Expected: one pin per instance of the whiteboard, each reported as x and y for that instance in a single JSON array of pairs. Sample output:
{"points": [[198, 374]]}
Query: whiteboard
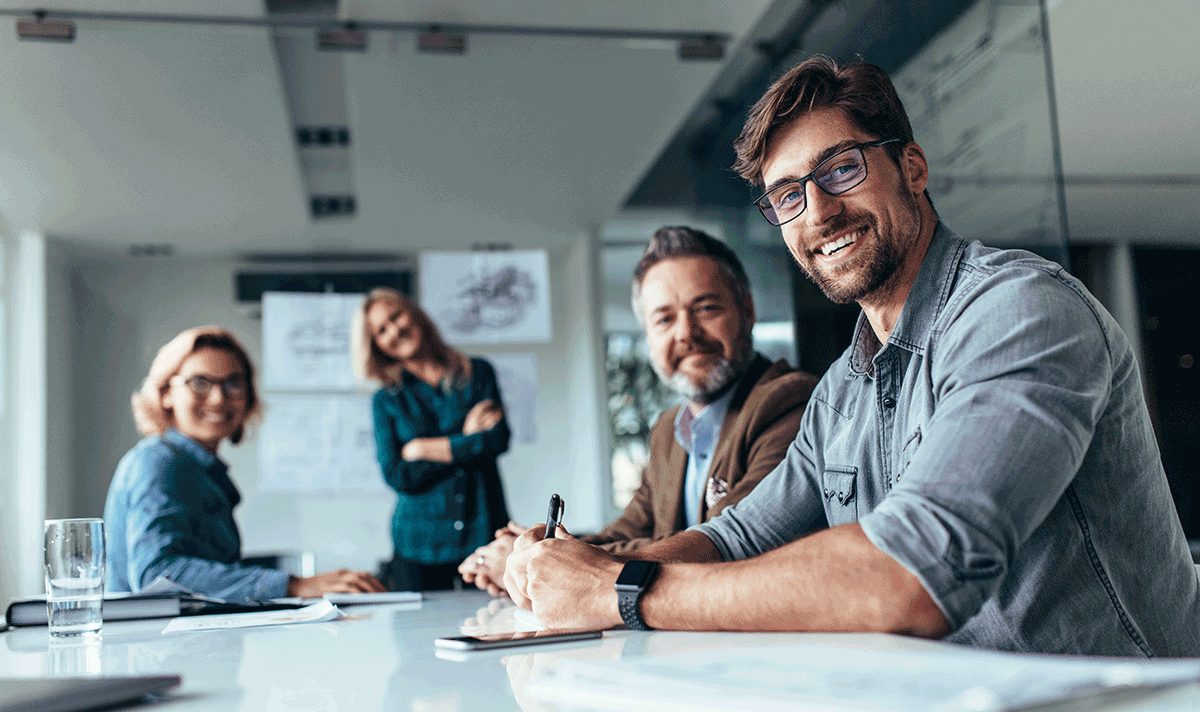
{"points": [[318, 443], [306, 341], [518, 380], [487, 297]]}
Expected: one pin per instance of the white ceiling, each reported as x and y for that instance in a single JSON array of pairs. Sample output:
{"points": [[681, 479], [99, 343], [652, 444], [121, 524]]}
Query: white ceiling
{"points": [[182, 133]]}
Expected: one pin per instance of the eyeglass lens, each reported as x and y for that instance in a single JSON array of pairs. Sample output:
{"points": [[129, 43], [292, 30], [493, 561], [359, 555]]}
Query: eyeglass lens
{"points": [[837, 174], [233, 387]]}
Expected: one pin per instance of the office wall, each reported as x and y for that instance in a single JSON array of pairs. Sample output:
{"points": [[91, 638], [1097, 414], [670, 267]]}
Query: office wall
{"points": [[110, 313]]}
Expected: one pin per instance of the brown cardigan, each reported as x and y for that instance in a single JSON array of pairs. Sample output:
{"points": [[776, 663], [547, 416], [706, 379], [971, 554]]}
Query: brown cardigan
{"points": [[760, 425]]}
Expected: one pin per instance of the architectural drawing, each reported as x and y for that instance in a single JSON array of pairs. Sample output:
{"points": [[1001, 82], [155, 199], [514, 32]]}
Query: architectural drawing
{"points": [[487, 297]]}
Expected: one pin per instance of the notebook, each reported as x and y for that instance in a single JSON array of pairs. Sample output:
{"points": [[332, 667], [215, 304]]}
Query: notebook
{"points": [[76, 694]]}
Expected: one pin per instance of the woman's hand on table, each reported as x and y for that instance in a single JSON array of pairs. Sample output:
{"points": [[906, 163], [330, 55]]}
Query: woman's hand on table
{"points": [[340, 581]]}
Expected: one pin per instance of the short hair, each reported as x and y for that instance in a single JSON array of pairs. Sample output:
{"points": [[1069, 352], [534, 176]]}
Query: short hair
{"points": [[148, 411], [862, 91], [372, 364], [675, 242]]}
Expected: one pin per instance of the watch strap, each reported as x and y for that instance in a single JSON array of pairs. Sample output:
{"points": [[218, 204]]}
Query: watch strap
{"points": [[629, 600]]}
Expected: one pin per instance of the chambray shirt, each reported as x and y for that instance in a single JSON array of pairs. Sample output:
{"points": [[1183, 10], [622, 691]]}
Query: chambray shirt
{"points": [[170, 513], [445, 510], [997, 446], [698, 435]]}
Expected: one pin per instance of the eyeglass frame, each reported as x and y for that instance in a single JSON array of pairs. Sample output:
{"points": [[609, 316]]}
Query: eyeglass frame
{"points": [[803, 180], [225, 384]]}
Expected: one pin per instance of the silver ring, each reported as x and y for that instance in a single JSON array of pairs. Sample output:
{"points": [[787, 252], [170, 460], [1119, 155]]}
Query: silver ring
{"points": [[479, 560]]}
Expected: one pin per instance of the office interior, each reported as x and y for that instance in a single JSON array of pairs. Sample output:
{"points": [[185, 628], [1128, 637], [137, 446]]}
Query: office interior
{"points": [[148, 162]]}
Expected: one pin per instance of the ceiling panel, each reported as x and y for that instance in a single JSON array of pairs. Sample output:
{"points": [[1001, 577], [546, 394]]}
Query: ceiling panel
{"points": [[172, 134], [224, 8], [689, 15]]}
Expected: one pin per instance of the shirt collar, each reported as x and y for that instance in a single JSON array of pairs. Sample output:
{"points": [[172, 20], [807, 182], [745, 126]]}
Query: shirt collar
{"points": [[925, 301], [712, 414], [212, 465]]}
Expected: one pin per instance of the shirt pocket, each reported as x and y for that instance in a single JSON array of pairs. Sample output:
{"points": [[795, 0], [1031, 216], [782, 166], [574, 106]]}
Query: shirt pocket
{"points": [[841, 497]]}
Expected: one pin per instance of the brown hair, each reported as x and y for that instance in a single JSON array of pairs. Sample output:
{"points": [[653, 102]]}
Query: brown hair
{"points": [[863, 92], [372, 364], [672, 242], [148, 411]]}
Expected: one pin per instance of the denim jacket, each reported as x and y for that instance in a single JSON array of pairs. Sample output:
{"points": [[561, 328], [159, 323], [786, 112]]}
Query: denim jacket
{"points": [[998, 446], [170, 513]]}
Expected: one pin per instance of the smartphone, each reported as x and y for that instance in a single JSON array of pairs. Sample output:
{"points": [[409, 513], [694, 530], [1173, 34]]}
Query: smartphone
{"points": [[509, 640]]}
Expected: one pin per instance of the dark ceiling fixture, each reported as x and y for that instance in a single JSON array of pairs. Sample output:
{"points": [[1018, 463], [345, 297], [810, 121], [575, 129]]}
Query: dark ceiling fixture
{"points": [[40, 29]]}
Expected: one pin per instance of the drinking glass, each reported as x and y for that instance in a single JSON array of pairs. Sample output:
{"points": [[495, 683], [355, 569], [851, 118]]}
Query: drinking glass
{"points": [[74, 576]]}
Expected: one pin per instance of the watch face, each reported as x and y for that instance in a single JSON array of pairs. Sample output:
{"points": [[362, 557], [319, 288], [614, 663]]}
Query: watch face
{"points": [[637, 573]]}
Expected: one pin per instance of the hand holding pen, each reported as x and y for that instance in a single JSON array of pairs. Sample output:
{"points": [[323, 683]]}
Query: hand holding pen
{"points": [[554, 516]]}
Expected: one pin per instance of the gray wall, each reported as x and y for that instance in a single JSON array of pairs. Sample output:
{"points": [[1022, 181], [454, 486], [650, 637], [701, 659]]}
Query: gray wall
{"points": [[110, 313]]}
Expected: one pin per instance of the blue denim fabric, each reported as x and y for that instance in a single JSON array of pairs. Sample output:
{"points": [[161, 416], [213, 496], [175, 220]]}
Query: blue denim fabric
{"points": [[170, 513], [445, 510], [998, 447]]}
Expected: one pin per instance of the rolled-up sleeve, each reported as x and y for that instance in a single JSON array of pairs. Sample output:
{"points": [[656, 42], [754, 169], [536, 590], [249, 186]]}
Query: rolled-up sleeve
{"points": [[1020, 379], [785, 506]]}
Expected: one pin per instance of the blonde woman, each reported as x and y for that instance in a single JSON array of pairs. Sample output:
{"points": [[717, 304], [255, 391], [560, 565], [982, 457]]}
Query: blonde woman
{"points": [[439, 427], [170, 504]]}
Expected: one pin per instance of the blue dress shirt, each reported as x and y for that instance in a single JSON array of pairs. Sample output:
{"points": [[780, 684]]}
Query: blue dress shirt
{"points": [[170, 513], [699, 434]]}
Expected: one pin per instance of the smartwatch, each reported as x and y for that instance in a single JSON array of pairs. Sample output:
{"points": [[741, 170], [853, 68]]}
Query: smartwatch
{"points": [[635, 578]]}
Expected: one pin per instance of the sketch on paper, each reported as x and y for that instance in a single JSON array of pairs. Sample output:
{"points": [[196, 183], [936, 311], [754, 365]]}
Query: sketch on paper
{"points": [[487, 297], [306, 341], [312, 443], [518, 381]]}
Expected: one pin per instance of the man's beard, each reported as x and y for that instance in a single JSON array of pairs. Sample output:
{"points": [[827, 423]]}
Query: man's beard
{"points": [[723, 373], [878, 260]]}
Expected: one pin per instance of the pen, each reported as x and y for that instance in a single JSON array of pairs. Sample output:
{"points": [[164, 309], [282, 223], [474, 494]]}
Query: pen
{"points": [[554, 516]]}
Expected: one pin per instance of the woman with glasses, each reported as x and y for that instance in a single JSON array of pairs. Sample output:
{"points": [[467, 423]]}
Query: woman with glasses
{"points": [[439, 427], [170, 504]]}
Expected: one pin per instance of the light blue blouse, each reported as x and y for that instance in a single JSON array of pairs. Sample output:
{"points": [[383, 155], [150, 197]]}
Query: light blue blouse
{"points": [[170, 513]]}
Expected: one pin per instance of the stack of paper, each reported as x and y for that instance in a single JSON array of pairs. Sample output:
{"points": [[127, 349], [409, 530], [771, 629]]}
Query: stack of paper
{"points": [[786, 677]]}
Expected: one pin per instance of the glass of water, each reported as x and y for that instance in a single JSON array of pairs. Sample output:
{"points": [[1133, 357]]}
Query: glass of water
{"points": [[74, 576]]}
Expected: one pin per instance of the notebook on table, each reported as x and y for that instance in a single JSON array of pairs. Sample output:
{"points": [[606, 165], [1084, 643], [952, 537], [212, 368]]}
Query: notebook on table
{"points": [[77, 694]]}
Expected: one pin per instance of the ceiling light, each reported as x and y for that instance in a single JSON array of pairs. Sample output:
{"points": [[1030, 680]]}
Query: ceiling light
{"points": [[435, 41], [43, 30], [705, 49], [349, 39]]}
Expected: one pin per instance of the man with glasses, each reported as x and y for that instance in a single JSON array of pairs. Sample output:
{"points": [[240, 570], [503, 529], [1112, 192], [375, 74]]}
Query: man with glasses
{"points": [[979, 465]]}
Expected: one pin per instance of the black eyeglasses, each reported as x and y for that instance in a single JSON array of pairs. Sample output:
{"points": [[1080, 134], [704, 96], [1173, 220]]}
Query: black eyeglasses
{"points": [[233, 387], [834, 175]]}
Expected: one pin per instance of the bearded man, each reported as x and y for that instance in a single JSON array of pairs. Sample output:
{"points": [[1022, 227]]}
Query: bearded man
{"points": [[691, 294]]}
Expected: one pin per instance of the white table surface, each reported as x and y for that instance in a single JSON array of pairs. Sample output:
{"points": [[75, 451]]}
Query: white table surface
{"points": [[383, 658]]}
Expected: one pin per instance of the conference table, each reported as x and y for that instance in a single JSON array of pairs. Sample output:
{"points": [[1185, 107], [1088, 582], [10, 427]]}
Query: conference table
{"points": [[383, 657]]}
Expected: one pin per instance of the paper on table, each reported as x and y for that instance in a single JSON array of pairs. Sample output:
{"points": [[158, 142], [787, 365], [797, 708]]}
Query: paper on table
{"points": [[783, 677], [364, 598], [323, 611]]}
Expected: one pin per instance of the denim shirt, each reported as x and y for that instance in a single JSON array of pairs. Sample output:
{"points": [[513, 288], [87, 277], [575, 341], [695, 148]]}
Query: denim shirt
{"points": [[998, 446], [170, 513], [444, 510]]}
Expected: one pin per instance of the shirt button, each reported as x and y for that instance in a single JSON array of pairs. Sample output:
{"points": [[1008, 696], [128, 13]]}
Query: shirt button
{"points": [[889, 402], [458, 526], [459, 498]]}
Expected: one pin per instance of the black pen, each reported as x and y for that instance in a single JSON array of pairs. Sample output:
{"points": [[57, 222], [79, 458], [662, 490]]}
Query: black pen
{"points": [[554, 516]]}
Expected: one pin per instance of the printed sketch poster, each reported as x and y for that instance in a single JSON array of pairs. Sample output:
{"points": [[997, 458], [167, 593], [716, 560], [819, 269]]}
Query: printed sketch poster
{"points": [[306, 341], [488, 297], [518, 382], [312, 443]]}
